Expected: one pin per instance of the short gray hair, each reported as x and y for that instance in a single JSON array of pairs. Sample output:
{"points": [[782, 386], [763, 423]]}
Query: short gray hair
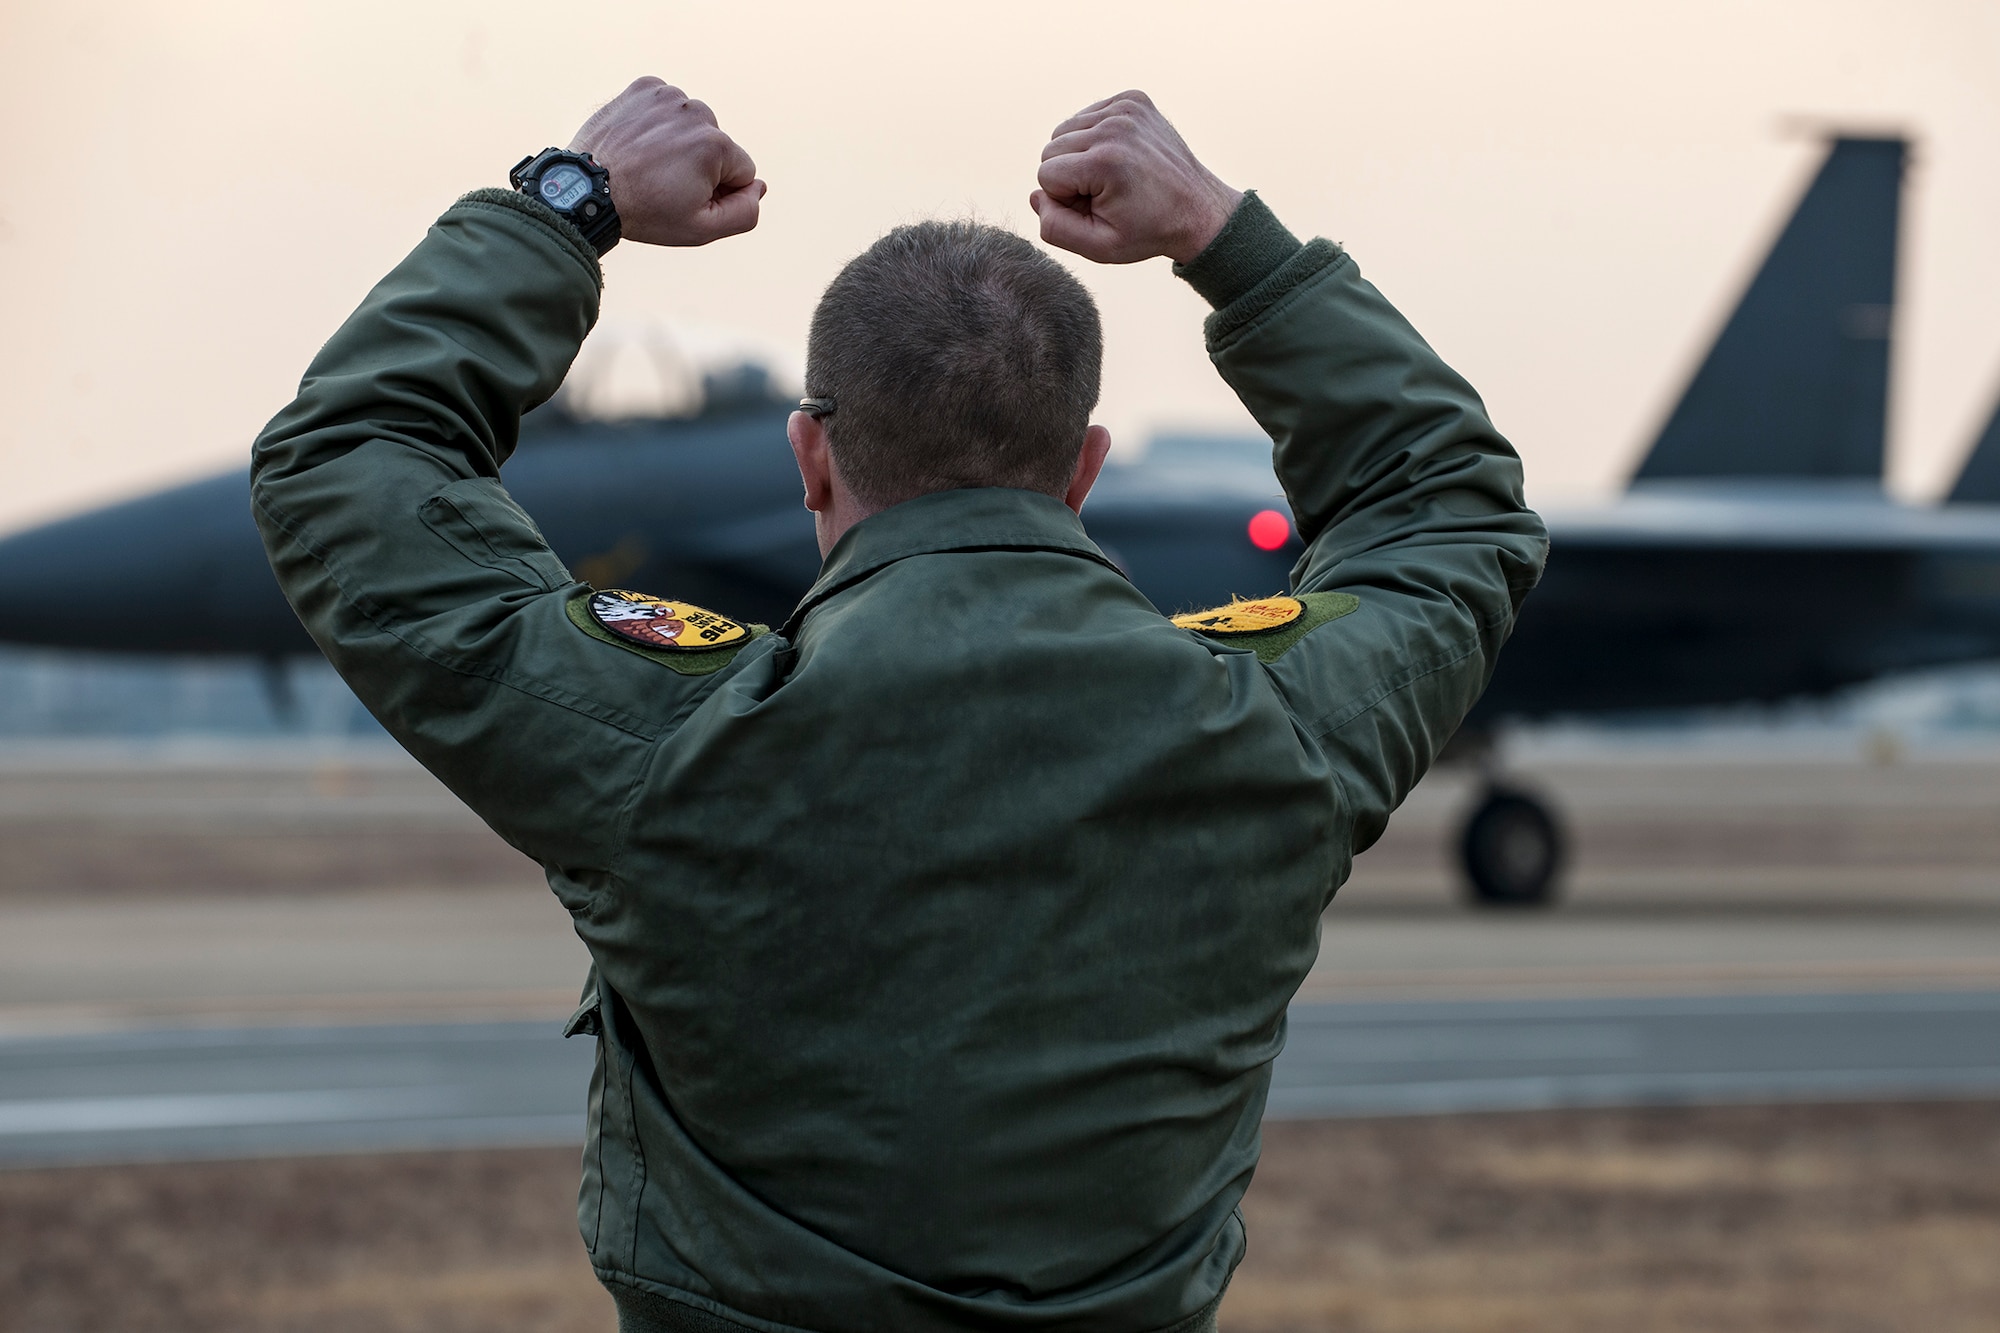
{"points": [[957, 355]]}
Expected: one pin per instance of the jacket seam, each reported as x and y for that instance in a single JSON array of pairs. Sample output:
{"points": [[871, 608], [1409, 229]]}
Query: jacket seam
{"points": [[511, 565], [615, 718], [594, 1140], [636, 1141], [630, 811], [657, 745], [613, 1016], [621, 836], [818, 597], [1344, 821], [680, 1296], [1333, 722], [1325, 732]]}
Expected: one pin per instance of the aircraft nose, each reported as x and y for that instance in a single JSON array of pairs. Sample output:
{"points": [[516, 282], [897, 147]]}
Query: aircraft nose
{"points": [[180, 571]]}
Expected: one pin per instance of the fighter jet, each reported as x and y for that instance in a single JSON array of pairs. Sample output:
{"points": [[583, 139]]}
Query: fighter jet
{"points": [[708, 506], [1754, 556]]}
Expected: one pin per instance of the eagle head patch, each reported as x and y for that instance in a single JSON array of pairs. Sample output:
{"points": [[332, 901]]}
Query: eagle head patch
{"points": [[655, 622]]}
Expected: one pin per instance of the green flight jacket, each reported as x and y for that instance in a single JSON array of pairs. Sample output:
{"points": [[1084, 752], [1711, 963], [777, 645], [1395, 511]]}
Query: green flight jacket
{"points": [[942, 938]]}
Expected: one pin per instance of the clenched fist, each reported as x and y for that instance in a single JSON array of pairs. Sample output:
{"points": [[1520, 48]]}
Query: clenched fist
{"points": [[1119, 186], [676, 178]]}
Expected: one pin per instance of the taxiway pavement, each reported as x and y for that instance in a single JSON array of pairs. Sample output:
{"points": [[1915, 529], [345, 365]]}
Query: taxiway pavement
{"points": [[275, 953], [233, 1092]]}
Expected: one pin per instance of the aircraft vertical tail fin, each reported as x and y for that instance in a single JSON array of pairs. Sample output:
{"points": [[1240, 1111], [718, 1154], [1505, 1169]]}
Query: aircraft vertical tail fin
{"points": [[1797, 383], [1979, 480]]}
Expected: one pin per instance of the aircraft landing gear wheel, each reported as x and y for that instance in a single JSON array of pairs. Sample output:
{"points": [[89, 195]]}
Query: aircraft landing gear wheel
{"points": [[1511, 851]]}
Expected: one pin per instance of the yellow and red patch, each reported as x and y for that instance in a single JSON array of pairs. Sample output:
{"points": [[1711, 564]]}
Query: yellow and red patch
{"points": [[655, 622], [1244, 617]]}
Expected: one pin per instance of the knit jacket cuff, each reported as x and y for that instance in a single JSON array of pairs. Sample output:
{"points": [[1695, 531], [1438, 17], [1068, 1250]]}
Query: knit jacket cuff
{"points": [[1249, 248], [565, 230]]}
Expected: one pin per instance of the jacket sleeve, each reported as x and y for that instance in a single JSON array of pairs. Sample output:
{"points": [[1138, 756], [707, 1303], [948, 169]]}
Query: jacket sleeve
{"points": [[1405, 495], [378, 495]]}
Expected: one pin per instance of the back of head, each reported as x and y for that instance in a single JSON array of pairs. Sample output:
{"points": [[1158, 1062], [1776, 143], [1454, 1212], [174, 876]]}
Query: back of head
{"points": [[959, 355]]}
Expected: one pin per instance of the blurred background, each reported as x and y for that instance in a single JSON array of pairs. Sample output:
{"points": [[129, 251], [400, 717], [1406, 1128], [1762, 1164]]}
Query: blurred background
{"points": [[278, 1016]]}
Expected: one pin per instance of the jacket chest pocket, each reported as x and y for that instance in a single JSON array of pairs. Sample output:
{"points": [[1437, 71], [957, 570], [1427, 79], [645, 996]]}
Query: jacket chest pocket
{"points": [[480, 521]]}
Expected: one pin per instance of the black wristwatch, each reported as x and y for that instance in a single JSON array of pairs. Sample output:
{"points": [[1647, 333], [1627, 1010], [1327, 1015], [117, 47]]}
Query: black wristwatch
{"points": [[574, 186]]}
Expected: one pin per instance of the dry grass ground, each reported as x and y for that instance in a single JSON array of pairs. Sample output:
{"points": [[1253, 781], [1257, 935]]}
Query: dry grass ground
{"points": [[412, 1243], [259, 824], [1775, 830], [1844, 1219]]}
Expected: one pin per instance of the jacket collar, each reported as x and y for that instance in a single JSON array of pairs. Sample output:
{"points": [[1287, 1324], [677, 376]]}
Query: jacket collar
{"points": [[983, 518]]}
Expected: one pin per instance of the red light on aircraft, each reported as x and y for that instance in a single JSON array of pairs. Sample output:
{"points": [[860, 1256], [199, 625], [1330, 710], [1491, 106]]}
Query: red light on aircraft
{"points": [[1269, 530]]}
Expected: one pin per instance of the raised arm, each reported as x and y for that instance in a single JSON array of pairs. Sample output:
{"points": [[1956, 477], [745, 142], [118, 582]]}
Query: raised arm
{"points": [[1408, 500], [378, 493]]}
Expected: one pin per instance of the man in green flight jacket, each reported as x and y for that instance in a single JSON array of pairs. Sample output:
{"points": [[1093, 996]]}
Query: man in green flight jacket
{"points": [[942, 937]]}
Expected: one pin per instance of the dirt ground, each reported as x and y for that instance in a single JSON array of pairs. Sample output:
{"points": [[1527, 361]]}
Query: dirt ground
{"points": [[1845, 1219], [1807, 829], [256, 825]]}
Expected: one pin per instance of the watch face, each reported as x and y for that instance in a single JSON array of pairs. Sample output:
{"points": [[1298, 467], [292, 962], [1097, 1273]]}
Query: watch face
{"points": [[564, 186]]}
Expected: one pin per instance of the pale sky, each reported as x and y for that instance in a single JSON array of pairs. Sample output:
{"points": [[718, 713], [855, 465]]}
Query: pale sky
{"points": [[1565, 196]]}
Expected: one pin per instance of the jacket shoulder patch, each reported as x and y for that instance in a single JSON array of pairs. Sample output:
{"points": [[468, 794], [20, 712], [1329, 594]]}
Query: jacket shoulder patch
{"points": [[1244, 617], [678, 635], [1269, 626]]}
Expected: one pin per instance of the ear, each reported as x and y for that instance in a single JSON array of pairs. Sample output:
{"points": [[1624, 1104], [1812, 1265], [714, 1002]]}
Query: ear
{"points": [[1090, 462], [814, 453]]}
